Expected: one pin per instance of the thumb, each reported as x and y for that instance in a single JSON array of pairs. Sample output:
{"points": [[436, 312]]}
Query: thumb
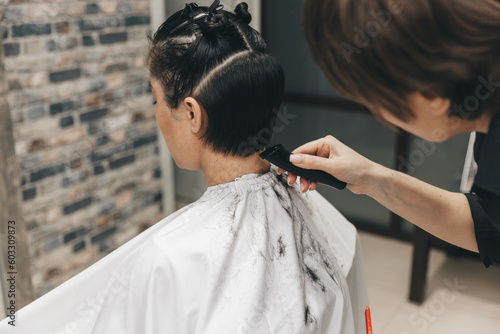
{"points": [[311, 162]]}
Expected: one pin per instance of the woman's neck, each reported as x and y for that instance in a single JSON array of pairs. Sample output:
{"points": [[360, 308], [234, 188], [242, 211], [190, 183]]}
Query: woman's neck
{"points": [[221, 168], [482, 124]]}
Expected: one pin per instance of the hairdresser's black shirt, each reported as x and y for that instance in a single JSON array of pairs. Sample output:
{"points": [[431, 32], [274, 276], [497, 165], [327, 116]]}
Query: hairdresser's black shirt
{"points": [[484, 199]]}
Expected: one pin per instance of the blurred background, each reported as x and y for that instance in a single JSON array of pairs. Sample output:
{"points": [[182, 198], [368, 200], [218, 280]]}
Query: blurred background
{"points": [[84, 168]]}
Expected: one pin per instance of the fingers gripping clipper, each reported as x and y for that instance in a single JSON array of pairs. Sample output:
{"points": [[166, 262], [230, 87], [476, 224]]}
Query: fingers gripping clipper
{"points": [[279, 156]]}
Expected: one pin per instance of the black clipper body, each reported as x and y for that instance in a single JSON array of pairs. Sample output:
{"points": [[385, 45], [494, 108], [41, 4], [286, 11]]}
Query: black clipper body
{"points": [[279, 156]]}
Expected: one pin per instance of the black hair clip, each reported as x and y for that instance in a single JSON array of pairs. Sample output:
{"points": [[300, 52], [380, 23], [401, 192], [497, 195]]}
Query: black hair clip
{"points": [[214, 7]]}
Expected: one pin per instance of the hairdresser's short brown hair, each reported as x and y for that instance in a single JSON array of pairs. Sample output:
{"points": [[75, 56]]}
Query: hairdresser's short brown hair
{"points": [[377, 52]]}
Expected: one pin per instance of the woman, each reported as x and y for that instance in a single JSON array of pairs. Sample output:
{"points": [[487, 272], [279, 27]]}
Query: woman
{"points": [[432, 68], [249, 256]]}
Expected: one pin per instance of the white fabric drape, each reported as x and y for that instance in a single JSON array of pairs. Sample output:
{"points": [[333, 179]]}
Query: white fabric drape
{"points": [[250, 256]]}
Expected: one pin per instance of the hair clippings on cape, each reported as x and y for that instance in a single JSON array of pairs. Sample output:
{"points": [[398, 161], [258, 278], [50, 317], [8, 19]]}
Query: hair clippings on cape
{"points": [[215, 6]]}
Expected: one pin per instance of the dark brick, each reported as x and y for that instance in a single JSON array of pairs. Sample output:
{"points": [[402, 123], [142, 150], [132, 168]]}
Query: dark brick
{"points": [[69, 180], [60, 107], [96, 85], [137, 20], [31, 29], [103, 235], [92, 115], [75, 234], [61, 43], [96, 127], [114, 37], [88, 41], [29, 194], [124, 187], [91, 24], [15, 84], [79, 246], [83, 203], [116, 95], [92, 8], [101, 155], [31, 225], [62, 27], [138, 116], [109, 151], [67, 121], [99, 170], [122, 161], [11, 49], [65, 75], [157, 173], [116, 68], [102, 140], [46, 172], [145, 140]]}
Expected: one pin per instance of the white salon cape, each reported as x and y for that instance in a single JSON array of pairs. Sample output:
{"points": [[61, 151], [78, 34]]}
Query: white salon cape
{"points": [[250, 256]]}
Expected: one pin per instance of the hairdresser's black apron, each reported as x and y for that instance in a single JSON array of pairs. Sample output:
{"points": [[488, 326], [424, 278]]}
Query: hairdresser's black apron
{"points": [[484, 199]]}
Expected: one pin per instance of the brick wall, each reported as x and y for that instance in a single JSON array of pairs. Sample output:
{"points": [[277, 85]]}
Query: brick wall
{"points": [[84, 128]]}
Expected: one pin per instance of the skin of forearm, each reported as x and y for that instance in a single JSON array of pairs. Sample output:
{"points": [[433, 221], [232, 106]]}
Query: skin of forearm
{"points": [[442, 213]]}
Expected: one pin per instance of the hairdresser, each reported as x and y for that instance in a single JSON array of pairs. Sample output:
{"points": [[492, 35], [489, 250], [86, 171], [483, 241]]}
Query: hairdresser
{"points": [[432, 68]]}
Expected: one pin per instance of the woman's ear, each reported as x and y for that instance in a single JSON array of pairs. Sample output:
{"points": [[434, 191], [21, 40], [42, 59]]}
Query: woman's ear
{"points": [[195, 114], [436, 105]]}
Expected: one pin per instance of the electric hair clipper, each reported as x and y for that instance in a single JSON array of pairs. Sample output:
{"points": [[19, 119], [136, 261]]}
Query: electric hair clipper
{"points": [[279, 156]]}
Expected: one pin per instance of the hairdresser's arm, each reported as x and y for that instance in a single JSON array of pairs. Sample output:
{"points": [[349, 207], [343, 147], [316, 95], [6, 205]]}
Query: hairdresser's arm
{"points": [[442, 213]]}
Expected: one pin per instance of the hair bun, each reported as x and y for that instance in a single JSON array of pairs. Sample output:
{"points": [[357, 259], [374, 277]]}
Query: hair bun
{"points": [[242, 13]]}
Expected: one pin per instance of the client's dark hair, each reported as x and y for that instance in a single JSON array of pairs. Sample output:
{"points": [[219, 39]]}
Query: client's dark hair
{"points": [[378, 51], [215, 57]]}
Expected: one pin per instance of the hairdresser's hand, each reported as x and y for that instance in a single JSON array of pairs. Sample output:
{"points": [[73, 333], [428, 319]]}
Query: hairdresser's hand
{"points": [[330, 155], [445, 214]]}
